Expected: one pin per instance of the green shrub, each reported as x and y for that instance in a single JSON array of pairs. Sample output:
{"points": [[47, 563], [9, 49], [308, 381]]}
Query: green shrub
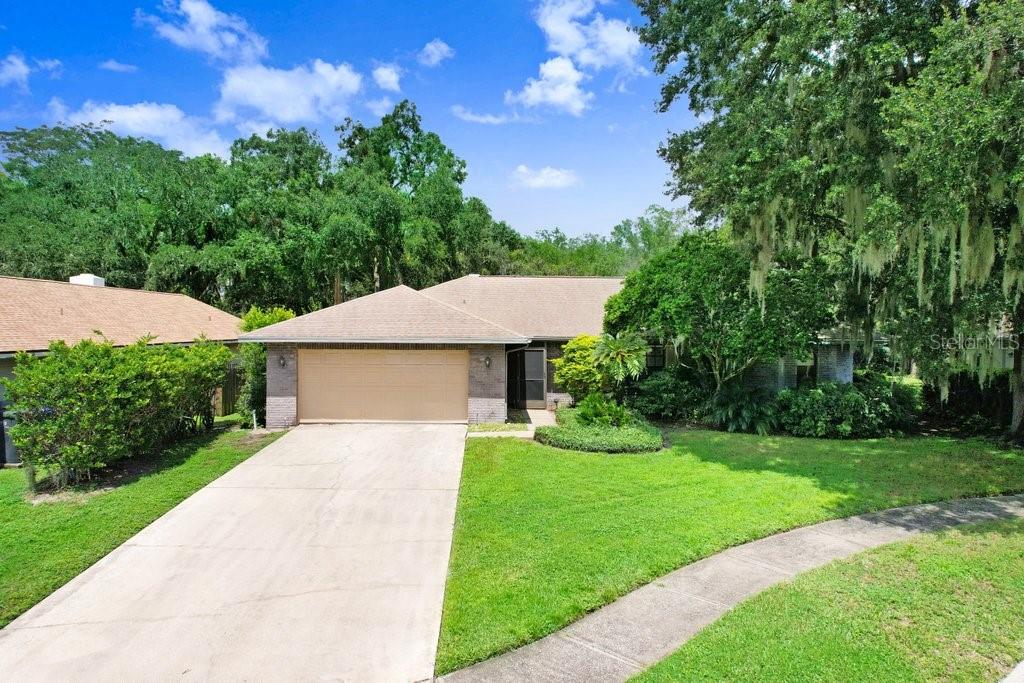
{"points": [[595, 409], [253, 394], [874, 405], [576, 370], [829, 410], [899, 400], [571, 434], [82, 407], [665, 395], [737, 408]]}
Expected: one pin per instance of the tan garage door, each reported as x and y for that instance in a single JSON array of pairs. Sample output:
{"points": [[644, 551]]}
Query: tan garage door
{"points": [[408, 385]]}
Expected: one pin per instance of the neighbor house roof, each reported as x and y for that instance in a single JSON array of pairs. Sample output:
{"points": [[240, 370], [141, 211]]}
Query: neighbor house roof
{"points": [[35, 312], [537, 307], [399, 315]]}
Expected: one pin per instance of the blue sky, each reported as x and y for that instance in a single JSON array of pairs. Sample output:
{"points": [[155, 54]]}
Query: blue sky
{"points": [[551, 102]]}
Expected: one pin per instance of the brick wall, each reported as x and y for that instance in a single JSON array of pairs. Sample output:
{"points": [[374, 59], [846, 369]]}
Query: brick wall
{"points": [[835, 363], [773, 376], [282, 385], [487, 399]]}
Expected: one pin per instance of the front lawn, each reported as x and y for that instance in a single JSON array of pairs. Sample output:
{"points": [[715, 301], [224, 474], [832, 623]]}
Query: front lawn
{"points": [[46, 544], [940, 607], [499, 427], [545, 535]]}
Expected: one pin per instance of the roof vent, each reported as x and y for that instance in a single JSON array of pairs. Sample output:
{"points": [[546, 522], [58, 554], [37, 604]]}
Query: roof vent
{"points": [[87, 279]]}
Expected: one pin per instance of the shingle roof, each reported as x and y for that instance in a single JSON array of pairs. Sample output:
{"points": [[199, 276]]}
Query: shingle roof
{"points": [[35, 312], [400, 315], [537, 307]]}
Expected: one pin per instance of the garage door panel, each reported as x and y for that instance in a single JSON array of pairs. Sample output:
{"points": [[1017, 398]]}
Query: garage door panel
{"points": [[378, 384]]}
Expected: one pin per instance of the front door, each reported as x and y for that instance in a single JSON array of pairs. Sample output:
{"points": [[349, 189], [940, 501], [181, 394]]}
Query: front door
{"points": [[535, 378]]}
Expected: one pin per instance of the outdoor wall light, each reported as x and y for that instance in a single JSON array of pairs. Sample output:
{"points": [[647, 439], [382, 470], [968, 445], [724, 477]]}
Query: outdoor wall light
{"points": [[282, 361], [487, 361]]}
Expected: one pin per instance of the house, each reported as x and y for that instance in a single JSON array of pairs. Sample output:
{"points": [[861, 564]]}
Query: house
{"points": [[466, 350], [830, 360], [34, 313]]}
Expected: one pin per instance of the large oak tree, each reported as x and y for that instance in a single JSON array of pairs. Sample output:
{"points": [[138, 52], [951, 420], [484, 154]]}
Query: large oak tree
{"points": [[887, 130]]}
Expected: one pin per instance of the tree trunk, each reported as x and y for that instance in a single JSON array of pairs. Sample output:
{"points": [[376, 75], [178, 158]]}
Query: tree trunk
{"points": [[1017, 387], [337, 288]]}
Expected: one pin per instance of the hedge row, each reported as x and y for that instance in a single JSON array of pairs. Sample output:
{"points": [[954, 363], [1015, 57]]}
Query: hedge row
{"points": [[573, 435], [82, 407]]}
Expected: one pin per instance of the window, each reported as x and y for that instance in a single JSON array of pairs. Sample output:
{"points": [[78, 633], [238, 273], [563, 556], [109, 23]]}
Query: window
{"points": [[656, 358]]}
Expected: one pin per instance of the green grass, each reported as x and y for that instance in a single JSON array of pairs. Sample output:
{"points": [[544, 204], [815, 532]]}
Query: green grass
{"points": [[499, 427], [941, 607], [545, 535], [46, 544]]}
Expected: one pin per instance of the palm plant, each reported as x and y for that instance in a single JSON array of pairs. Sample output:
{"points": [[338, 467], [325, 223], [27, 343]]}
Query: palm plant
{"points": [[622, 355]]}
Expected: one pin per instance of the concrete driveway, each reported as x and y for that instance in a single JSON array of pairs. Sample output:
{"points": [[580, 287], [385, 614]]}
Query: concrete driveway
{"points": [[324, 556]]}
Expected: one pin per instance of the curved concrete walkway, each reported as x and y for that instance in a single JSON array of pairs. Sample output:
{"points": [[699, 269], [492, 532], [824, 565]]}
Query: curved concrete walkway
{"points": [[643, 627]]}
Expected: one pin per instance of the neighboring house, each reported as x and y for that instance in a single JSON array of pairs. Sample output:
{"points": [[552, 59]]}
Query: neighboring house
{"points": [[466, 350], [830, 360], [34, 313]]}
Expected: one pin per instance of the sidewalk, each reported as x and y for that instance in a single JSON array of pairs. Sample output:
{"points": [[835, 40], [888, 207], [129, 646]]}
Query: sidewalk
{"points": [[643, 627]]}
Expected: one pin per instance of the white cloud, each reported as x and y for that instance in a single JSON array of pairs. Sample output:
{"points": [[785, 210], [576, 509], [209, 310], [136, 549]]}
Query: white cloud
{"points": [[435, 52], [307, 93], [597, 43], [387, 77], [56, 109], [254, 127], [14, 71], [197, 25], [118, 67], [54, 67], [164, 123], [558, 87], [380, 107], [543, 178], [460, 112]]}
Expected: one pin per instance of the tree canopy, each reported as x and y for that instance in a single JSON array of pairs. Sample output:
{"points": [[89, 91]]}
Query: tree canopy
{"points": [[282, 222], [888, 132], [696, 295]]}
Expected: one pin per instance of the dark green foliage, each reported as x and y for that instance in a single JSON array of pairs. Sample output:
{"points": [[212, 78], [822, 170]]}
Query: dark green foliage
{"points": [[899, 400], [283, 223], [970, 407], [737, 408], [829, 410], [82, 407], [572, 434], [253, 396], [667, 395], [887, 134], [595, 409], [875, 405], [698, 296]]}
